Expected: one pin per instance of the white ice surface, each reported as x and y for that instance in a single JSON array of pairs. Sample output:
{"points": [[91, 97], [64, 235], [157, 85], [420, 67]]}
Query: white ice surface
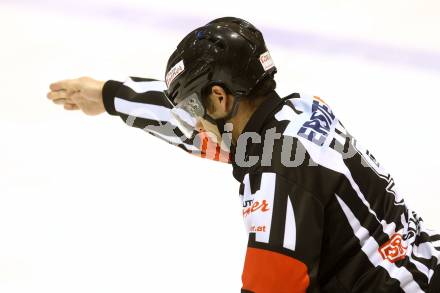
{"points": [[89, 205]]}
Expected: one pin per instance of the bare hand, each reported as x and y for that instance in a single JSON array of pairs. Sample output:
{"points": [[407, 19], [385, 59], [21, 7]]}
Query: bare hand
{"points": [[82, 93]]}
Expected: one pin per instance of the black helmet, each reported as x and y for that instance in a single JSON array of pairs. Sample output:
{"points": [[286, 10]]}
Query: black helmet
{"points": [[227, 51]]}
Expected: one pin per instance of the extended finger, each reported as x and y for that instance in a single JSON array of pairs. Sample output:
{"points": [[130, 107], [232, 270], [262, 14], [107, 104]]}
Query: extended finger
{"points": [[55, 95], [69, 106], [60, 101], [67, 84]]}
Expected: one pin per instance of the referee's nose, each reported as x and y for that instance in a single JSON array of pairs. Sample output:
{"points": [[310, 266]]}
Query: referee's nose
{"points": [[199, 125], [203, 125]]}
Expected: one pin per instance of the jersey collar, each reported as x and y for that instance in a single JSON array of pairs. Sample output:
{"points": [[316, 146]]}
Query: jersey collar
{"points": [[256, 125], [259, 117]]}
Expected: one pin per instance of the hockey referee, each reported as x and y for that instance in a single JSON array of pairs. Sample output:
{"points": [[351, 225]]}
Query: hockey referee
{"points": [[321, 212]]}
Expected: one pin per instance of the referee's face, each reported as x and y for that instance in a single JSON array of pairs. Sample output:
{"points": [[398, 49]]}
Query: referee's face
{"points": [[218, 105], [204, 125]]}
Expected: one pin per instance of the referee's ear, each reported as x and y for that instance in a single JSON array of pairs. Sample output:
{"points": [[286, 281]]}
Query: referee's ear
{"points": [[219, 102]]}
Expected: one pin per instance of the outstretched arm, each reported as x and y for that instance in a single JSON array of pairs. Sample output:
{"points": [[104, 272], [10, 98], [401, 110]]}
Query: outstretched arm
{"points": [[140, 102]]}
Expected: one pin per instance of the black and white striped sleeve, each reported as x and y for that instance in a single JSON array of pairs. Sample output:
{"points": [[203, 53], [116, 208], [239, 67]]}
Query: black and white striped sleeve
{"points": [[142, 103]]}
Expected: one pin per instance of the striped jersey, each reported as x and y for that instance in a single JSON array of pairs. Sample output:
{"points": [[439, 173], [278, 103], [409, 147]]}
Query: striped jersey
{"points": [[322, 213]]}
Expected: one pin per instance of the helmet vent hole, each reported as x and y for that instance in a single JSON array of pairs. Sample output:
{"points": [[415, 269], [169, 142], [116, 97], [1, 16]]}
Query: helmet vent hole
{"points": [[220, 44]]}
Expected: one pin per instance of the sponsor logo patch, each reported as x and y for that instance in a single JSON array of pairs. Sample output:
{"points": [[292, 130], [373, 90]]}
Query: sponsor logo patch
{"points": [[255, 229], [262, 206], [266, 61], [317, 128], [394, 249], [174, 72]]}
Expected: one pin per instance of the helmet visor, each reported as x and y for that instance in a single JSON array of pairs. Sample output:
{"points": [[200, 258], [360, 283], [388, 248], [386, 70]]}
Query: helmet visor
{"points": [[186, 113]]}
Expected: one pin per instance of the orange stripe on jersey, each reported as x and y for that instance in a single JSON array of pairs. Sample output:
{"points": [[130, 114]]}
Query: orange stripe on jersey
{"points": [[212, 150], [271, 272], [205, 144], [319, 99]]}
